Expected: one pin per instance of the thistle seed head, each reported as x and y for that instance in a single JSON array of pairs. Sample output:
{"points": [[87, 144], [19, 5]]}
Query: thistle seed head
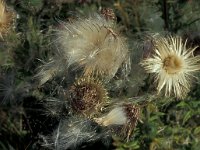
{"points": [[95, 45], [87, 96], [173, 64], [124, 116]]}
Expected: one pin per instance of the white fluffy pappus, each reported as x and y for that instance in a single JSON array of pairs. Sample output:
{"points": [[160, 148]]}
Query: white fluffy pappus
{"points": [[54, 107], [71, 133], [12, 91], [116, 116], [95, 45], [124, 116], [55, 66]]}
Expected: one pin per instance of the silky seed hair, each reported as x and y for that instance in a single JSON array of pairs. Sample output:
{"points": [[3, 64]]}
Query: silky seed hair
{"points": [[91, 45], [116, 116], [71, 133], [125, 117], [87, 96], [173, 65], [95, 45]]}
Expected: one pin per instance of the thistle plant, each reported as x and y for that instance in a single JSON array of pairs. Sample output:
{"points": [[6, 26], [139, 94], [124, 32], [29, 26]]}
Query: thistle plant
{"points": [[87, 81], [95, 50]]}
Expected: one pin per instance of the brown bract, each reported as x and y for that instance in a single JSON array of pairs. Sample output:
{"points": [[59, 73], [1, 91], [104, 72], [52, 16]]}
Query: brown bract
{"points": [[108, 13], [133, 114]]}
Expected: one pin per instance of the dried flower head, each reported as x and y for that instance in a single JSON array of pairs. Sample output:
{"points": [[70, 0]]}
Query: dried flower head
{"points": [[87, 96], [7, 17], [125, 115], [94, 44], [173, 64]]}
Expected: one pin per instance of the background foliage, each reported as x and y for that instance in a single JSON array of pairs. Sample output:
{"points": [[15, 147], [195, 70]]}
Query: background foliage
{"points": [[166, 123]]}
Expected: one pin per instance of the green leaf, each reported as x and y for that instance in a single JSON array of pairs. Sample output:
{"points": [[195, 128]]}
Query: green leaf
{"points": [[188, 115], [197, 130], [182, 104]]}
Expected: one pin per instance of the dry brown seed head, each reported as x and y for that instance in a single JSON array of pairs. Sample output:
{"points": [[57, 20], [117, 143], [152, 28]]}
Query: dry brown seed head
{"points": [[87, 96]]}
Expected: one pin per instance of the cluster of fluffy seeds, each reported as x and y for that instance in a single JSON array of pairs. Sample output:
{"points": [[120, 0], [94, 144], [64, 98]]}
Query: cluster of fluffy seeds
{"points": [[7, 17], [173, 64], [116, 116], [94, 44]]}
